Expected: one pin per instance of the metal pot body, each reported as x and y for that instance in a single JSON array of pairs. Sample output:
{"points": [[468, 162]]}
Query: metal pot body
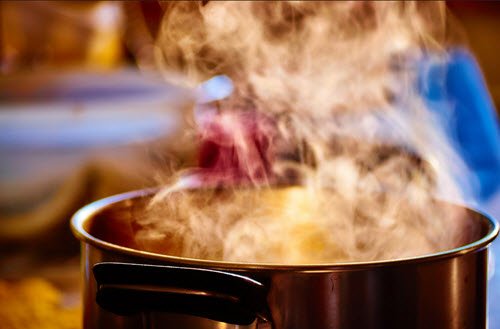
{"points": [[440, 291]]}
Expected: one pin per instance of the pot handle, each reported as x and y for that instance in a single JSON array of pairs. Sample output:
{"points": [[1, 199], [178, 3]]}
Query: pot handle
{"points": [[127, 288]]}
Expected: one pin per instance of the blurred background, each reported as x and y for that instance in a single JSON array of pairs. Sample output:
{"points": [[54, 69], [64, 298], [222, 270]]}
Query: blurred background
{"points": [[84, 113]]}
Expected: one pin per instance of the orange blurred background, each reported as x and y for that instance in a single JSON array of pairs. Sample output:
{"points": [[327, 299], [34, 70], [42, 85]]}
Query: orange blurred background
{"points": [[45, 36]]}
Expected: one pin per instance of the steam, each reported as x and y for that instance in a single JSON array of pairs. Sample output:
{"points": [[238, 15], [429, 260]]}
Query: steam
{"points": [[330, 92]]}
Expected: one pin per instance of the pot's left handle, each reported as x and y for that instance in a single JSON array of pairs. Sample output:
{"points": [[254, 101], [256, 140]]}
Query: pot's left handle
{"points": [[126, 288]]}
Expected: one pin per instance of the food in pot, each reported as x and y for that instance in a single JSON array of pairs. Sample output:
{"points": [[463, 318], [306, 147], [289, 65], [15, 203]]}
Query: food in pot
{"points": [[295, 225]]}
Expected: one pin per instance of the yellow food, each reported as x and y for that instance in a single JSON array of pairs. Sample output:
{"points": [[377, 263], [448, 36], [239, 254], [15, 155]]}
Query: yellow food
{"points": [[35, 303]]}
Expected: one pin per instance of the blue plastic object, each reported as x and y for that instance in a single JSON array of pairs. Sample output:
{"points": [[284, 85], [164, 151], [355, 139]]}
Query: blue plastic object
{"points": [[457, 92]]}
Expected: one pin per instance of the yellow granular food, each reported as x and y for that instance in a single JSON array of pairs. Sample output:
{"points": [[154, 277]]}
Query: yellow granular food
{"points": [[35, 303]]}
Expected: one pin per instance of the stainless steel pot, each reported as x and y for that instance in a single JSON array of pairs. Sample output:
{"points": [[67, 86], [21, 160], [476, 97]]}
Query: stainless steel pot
{"points": [[128, 288]]}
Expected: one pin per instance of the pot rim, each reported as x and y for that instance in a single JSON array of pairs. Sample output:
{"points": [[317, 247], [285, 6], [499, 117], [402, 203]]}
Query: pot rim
{"points": [[90, 210]]}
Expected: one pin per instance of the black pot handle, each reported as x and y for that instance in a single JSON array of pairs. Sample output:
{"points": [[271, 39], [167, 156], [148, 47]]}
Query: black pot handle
{"points": [[126, 288]]}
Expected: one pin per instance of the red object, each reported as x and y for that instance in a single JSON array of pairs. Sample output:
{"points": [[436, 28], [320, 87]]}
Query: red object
{"points": [[236, 148]]}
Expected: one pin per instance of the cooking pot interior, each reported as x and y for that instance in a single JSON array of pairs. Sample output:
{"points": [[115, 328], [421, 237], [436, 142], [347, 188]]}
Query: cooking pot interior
{"points": [[116, 223]]}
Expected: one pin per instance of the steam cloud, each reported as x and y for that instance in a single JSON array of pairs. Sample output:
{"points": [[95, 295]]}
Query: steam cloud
{"points": [[333, 89]]}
